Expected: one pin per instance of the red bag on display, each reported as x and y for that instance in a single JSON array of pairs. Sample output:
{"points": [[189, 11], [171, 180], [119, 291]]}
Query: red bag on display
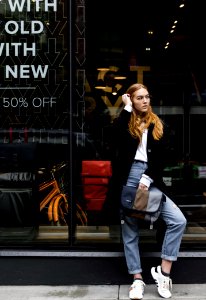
{"points": [[95, 179]]}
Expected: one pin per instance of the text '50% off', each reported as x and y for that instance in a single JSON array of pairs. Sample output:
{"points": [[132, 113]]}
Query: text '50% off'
{"points": [[24, 102]]}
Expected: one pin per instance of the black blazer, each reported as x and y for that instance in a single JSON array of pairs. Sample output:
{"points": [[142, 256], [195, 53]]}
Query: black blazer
{"points": [[123, 152]]}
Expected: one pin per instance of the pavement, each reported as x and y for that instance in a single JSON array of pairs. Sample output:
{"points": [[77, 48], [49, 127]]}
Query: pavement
{"points": [[96, 292]]}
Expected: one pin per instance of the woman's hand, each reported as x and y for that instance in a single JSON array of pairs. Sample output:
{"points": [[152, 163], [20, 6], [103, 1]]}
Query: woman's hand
{"points": [[142, 187], [126, 99]]}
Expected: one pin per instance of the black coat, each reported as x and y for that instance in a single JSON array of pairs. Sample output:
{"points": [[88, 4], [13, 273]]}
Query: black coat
{"points": [[123, 153]]}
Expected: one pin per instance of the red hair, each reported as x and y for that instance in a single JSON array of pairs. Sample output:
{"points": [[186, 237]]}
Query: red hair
{"points": [[148, 118]]}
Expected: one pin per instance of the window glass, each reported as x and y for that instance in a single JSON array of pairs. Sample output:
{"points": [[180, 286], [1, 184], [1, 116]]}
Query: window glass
{"points": [[34, 130], [64, 67], [129, 44]]}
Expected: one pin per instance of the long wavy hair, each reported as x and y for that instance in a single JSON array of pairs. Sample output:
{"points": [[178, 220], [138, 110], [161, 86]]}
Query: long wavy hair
{"points": [[148, 118]]}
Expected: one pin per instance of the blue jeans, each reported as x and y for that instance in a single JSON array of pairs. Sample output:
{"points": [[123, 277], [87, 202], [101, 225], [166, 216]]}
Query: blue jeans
{"points": [[171, 214]]}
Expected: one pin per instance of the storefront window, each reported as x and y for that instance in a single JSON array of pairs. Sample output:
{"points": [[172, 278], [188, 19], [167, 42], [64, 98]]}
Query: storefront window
{"points": [[64, 67], [165, 53], [34, 130]]}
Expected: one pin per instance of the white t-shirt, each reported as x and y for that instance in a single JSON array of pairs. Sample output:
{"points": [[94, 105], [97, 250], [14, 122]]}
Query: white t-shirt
{"points": [[141, 153]]}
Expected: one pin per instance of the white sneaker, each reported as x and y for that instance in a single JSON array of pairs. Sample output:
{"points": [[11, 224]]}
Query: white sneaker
{"points": [[164, 283], [136, 290]]}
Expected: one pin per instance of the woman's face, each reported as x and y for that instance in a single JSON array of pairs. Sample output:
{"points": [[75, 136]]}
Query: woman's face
{"points": [[141, 100]]}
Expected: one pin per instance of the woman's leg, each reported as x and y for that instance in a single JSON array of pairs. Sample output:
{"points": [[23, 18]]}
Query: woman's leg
{"points": [[130, 230], [166, 266], [175, 227], [130, 236]]}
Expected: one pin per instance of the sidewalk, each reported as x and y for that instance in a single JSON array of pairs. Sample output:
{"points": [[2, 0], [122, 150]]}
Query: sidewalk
{"points": [[96, 292]]}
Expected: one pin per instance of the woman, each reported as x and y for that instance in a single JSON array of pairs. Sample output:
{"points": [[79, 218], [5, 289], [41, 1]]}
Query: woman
{"points": [[139, 161]]}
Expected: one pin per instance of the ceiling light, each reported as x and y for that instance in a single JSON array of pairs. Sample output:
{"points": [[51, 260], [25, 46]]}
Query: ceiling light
{"points": [[119, 77], [103, 69]]}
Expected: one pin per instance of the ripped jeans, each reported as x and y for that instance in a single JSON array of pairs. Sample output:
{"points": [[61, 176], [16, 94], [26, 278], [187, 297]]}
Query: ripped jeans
{"points": [[171, 214]]}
